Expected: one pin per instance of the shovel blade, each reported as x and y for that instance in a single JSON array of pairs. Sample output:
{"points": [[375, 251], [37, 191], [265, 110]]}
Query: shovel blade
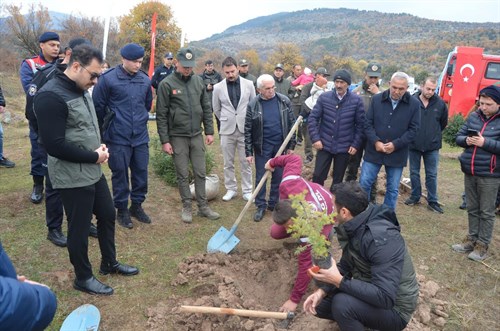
{"points": [[222, 241]]}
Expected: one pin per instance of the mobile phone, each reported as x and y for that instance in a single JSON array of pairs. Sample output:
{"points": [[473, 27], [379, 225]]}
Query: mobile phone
{"points": [[472, 133]]}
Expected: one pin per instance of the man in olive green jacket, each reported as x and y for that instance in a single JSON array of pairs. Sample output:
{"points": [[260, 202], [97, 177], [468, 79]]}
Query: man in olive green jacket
{"points": [[182, 106]]}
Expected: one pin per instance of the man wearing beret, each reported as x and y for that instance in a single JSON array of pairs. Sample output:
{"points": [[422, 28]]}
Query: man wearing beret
{"points": [[164, 70], [53, 205], [480, 136], [69, 130], [122, 99], [392, 122], [336, 128], [182, 107], [49, 52]]}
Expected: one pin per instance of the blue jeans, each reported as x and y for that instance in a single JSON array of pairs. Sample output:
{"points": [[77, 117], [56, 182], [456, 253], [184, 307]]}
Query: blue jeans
{"points": [[369, 172], [268, 151], [431, 162]]}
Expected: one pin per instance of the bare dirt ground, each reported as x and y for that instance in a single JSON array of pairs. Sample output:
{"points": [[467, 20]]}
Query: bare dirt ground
{"points": [[243, 280], [456, 294]]}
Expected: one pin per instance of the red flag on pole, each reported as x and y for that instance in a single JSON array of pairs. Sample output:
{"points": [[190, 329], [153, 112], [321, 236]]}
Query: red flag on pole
{"points": [[153, 42]]}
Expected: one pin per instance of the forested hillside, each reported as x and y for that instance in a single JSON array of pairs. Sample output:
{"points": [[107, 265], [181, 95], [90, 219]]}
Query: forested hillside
{"points": [[399, 40]]}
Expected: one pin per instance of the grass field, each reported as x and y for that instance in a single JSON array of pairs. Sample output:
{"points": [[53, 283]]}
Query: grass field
{"points": [[470, 287]]}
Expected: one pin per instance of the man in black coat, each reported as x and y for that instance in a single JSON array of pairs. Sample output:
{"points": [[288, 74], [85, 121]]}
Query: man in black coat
{"points": [[391, 124], [374, 284], [427, 143]]}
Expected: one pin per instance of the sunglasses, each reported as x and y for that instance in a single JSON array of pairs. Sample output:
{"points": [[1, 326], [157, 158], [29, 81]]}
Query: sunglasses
{"points": [[93, 75]]}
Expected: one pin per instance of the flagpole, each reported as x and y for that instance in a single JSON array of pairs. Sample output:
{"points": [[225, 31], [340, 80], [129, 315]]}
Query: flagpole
{"points": [[153, 44], [106, 31]]}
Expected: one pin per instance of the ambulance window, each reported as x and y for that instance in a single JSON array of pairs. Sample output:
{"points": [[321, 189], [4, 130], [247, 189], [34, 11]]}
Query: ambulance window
{"points": [[493, 70]]}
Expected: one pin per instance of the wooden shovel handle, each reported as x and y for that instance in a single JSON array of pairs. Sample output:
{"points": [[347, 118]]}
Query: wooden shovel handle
{"points": [[263, 180], [231, 311]]}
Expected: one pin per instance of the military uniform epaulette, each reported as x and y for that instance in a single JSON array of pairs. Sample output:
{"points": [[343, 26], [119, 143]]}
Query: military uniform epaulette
{"points": [[108, 71]]}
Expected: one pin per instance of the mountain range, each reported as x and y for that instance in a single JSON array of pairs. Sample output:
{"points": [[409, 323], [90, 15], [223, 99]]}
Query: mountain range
{"points": [[402, 40]]}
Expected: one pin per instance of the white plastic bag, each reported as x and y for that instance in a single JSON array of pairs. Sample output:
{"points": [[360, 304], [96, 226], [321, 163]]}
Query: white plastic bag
{"points": [[211, 187]]}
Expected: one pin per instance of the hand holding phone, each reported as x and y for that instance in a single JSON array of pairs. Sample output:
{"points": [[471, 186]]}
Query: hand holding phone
{"points": [[472, 133]]}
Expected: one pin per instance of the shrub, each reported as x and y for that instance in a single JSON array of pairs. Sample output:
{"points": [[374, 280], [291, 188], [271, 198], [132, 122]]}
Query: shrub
{"points": [[450, 133], [308, 224], [163, 164]]}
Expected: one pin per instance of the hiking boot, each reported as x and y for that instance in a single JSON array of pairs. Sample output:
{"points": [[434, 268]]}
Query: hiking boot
{"points": [[37, 194], [123, 217], [6, 163], [434, 206], [466, 246], [187, 214], [205, 211], [479, 252], [56, 237], [137, 212], [411, 201]]}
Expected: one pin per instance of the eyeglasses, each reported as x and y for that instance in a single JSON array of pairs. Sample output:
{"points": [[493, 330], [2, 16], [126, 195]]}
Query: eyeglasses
{"points": [[93, 75]]}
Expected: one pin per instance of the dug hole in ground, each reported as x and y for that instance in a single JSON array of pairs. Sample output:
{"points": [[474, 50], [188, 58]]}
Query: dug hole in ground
{"points": [[260, 279]]}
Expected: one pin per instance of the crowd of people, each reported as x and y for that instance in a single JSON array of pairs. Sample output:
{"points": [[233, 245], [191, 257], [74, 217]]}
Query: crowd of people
{"points": [[83, 114]]}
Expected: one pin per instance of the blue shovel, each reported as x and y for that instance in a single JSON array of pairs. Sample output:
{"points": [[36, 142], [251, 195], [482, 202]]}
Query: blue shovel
{"points": [[225, 241], [83, 318]]}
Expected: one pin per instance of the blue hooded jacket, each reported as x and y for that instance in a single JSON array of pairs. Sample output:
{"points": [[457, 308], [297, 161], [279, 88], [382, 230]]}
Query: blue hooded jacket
{"points": [[23, 306]]}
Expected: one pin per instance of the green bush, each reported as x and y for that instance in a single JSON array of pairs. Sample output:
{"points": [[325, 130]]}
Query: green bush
{"points": [[308, 224], [450, 133], [163, 164]]}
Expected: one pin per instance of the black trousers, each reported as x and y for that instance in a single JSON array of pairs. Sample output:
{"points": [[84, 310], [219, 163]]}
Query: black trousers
{"points": [[53, 206], [322, 166], [352, 314], [80, 203]]}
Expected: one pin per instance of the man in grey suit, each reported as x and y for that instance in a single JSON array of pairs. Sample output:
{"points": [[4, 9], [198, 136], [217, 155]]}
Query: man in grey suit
{"points": [[230, 99]]}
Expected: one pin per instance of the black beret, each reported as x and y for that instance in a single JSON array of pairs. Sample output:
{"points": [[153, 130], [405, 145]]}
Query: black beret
{"points": [[132, 52], [49, 35]]}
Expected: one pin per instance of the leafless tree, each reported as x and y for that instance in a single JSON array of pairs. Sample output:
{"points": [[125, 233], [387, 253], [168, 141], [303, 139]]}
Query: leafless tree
{"points": [[25, 29]]}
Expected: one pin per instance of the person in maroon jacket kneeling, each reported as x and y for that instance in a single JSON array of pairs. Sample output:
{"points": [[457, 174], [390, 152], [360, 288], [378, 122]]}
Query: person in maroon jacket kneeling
{"points": [[320, 198]]}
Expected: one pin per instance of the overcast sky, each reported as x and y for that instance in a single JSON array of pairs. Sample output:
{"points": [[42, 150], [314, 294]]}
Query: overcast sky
{"points": [[202, 19]]}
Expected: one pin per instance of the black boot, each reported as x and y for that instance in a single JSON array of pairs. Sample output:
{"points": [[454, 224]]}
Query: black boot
{"points": [[464, 202], [56, 237], [93, 231], [123, 217], [137, 212], [37, 193]]}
